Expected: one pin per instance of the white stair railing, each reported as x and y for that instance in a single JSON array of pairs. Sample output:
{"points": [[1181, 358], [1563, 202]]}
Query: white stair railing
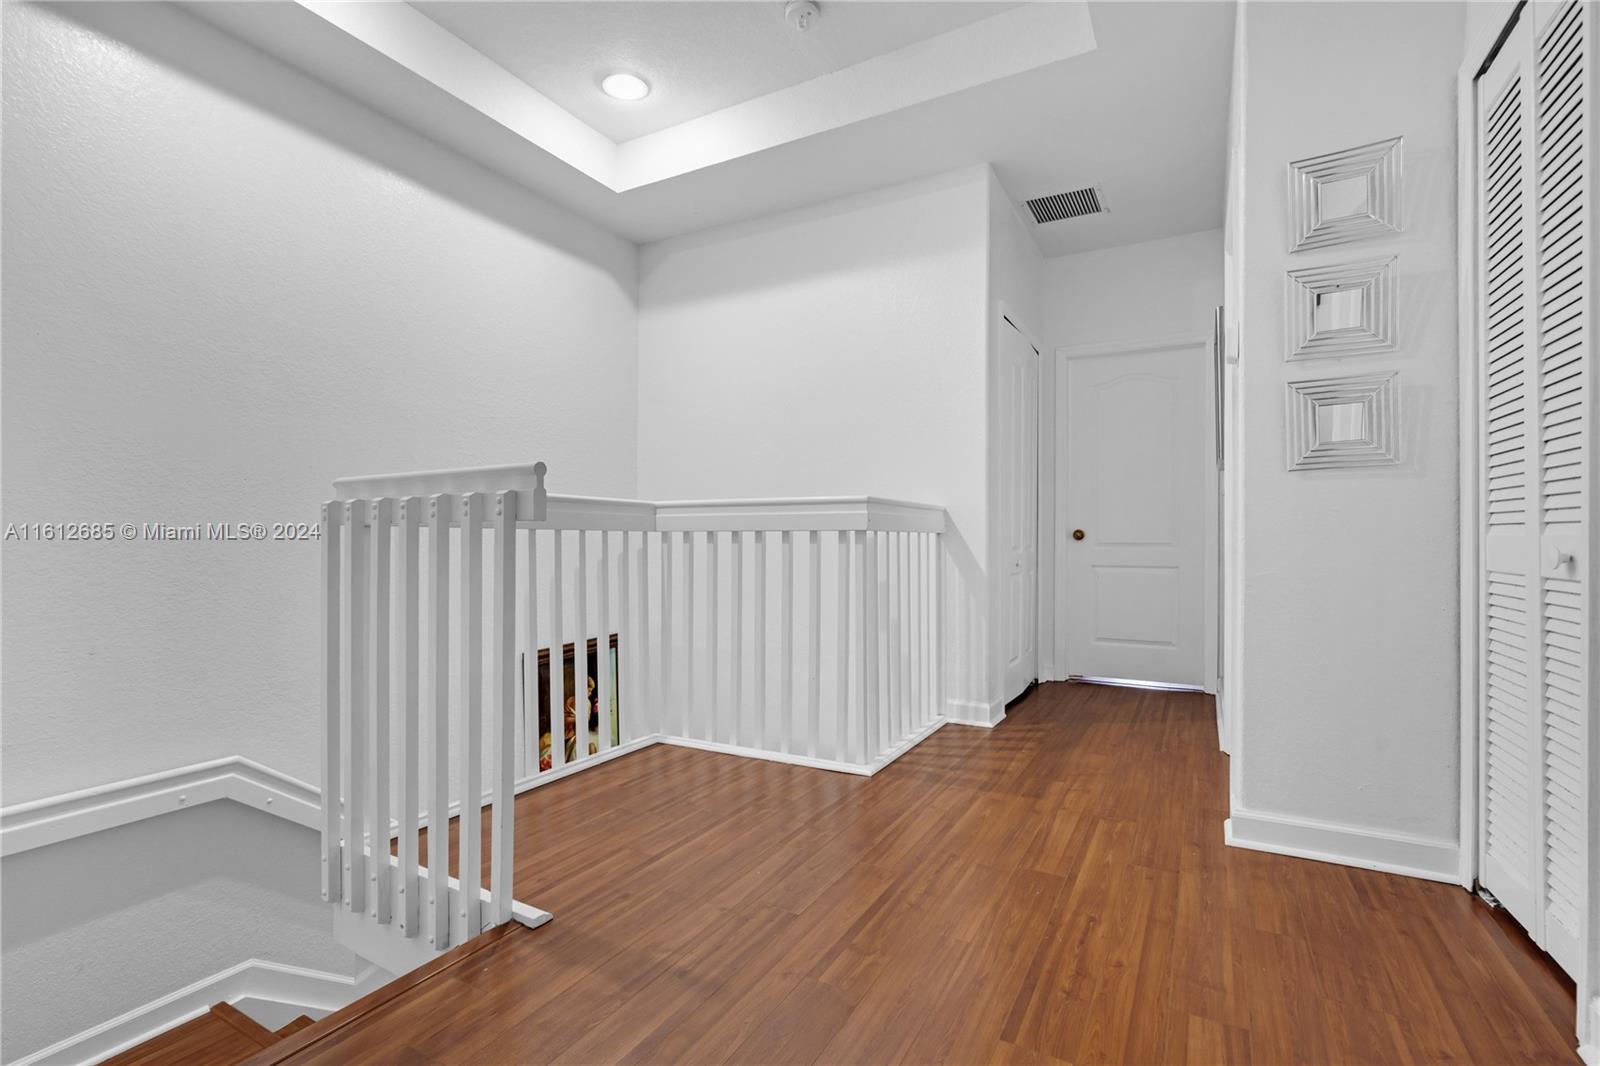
{"points": [[465, 611]]}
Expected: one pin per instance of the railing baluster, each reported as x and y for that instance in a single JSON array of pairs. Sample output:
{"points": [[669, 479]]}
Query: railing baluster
{"points": [[859, 728], [668, 651], [407, 671], [842, 732], [713, 641], [332, 781], [897, 625], [638, 693], [736, 635], [602, 642], [688, 635], [871, 704], [378, 880], [786, 661], [930, 562], [502, 835], [469, 868], [355, 706], [624, 643], [939, 608], [530, 659], [580, 654], [905, 635], [439, 719], [555, 661], [920, 589], [841, 722], [914, 570], [814, 652], [762, 733]]}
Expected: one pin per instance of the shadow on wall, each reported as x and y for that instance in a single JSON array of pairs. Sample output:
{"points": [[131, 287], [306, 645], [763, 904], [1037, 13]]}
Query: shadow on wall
{"points": [[105, 923], [180, 41]]}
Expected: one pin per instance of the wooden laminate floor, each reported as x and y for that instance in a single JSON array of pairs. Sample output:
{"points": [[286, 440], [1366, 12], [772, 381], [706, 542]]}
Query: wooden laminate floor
{"points": [[1053, 890]]}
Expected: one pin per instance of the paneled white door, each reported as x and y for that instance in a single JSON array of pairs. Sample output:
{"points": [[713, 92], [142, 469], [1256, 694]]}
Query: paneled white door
{"points": [[1019, 506], [1534, 424], [1138, 459]]}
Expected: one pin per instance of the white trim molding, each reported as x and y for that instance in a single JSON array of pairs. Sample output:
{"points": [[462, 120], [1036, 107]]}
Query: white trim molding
{"points": [[975, 713], [1346, 845], [313, 992], [51, 820]]}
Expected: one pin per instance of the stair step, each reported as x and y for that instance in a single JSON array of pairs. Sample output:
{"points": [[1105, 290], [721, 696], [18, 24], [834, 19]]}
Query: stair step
{"points": [[221, 1036], [294, 1026], [247, 1025]]}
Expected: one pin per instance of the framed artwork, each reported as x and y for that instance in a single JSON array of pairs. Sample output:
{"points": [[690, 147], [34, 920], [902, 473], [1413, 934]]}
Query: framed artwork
{"points": [[1343, 309], [1344, 422], [590, 699], [1344, 196]]}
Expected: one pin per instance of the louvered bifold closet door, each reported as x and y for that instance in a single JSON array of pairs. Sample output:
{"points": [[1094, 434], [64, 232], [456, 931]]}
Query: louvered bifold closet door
{"points": [[1509, 857], [1564, 128], [1536, 230]]}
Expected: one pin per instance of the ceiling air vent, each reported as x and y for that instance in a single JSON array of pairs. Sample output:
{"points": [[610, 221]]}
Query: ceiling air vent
{"points": [[1063, 205]]}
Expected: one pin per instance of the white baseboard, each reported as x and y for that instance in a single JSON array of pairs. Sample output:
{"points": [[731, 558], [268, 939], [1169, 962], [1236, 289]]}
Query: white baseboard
{"points": [[769, 756], [303, 991], [907, 744], [35, 824], [1347, 845], [974, 712], [1590, 1051]]}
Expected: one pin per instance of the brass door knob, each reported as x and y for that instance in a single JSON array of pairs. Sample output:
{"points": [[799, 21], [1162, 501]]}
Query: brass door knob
{"points": [[1077, 534]]}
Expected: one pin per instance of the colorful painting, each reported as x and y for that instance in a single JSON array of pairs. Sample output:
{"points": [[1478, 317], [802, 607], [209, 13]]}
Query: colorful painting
{"points": [[591, 699]]}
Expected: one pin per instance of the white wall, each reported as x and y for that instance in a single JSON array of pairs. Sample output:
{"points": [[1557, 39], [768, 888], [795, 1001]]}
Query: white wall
{"points": [[835, 350], [106, 923], [1015, 270], [1134, 292], [226, 285], [1349, 584]]}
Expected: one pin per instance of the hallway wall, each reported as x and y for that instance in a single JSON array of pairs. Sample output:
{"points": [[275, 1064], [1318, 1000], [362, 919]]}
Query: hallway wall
{"points": [[1133, 292], [1348, 740], [227, 284], [834, 350]]}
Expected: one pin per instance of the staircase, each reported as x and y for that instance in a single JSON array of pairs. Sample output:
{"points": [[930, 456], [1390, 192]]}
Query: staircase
{"points": [[221, 1036]]}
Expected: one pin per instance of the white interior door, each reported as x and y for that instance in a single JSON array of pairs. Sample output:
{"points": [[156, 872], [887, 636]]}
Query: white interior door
{"points": [[1019, 504], [1534, 428], [1138, 461]]}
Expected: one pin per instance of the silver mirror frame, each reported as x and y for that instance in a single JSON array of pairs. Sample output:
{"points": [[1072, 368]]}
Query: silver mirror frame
{"points": [[1377, 331], [1379, 395], [1379, 164]]}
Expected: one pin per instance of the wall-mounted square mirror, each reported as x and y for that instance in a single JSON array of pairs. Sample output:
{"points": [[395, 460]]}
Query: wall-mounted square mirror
{"points": [[1344, 196], [1338, 309], [1344, 422], [1344, 309], [1341, 423]]}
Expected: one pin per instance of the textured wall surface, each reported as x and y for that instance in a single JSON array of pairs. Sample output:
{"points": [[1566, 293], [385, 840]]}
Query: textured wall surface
{"points": [[837, 350], [1350, 606], [1133, 293], [97, 926], [225, 286]]}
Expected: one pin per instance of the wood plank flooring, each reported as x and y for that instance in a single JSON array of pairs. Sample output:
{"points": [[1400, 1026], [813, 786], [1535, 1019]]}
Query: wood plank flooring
{"points": [[1055, 890]]}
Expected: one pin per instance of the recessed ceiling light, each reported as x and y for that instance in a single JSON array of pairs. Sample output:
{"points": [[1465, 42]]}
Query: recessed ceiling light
{"points": [[625, 87]]}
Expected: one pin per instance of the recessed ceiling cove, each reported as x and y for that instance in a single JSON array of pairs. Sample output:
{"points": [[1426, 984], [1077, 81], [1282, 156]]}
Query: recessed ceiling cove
{"points": [[728, 79], [749, 115], [700, 56]]}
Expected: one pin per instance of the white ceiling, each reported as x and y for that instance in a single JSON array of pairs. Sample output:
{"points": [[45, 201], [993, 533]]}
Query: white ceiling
{"points": [[699, 56], [1132, 97]]}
